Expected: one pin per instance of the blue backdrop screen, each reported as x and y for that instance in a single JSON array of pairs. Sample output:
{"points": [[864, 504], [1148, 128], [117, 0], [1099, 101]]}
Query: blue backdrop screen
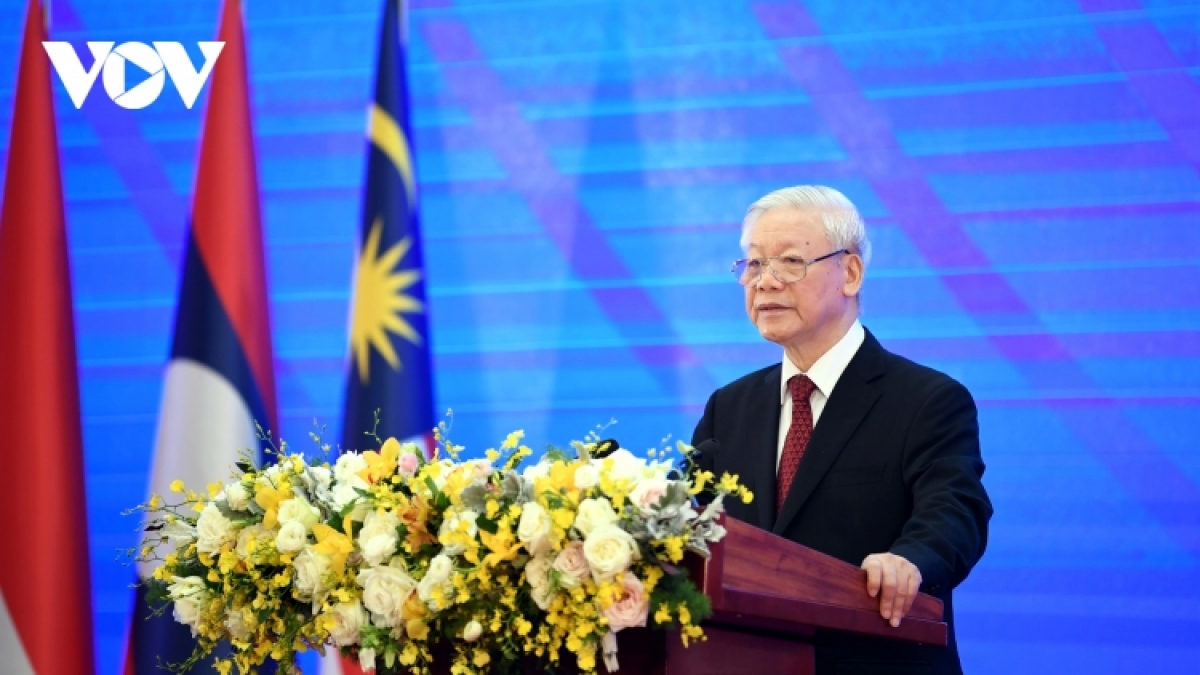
{"points": [[1029, 170]]}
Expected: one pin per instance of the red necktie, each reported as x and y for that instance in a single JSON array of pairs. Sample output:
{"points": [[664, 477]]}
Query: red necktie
{"points": [[797, 436]]}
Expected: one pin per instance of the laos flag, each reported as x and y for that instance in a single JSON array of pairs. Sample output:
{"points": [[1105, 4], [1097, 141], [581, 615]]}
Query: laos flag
{"points": [[220, 379]]}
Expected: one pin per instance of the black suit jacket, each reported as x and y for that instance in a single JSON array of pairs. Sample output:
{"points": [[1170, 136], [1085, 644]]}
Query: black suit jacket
{"points": [[893, 465]]}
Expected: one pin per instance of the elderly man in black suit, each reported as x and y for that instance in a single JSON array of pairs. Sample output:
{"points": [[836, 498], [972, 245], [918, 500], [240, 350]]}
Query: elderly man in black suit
{"points": [[849, 449]]}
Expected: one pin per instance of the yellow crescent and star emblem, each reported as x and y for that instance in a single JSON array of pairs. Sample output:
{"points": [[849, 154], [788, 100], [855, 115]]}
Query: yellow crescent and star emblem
{"points": [[380, 287], [381, 301]]}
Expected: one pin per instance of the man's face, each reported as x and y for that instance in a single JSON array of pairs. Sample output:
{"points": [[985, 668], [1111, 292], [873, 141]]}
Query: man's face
{"points": [[795, 313]]}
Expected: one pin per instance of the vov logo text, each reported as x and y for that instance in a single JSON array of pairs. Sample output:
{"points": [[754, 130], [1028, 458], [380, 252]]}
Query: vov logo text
{"points": [[164, 59]]}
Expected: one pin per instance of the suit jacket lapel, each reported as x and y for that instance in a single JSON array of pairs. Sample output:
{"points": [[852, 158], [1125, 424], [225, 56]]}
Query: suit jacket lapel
{"points": [[762, 446], [853, 397]]}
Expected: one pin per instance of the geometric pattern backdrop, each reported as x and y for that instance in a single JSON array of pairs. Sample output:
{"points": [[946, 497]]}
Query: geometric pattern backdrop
{"points": [[1029, 170]]}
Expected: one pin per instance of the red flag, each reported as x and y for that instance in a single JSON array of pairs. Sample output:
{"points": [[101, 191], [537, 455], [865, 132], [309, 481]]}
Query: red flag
{"points": [[44, 571]]}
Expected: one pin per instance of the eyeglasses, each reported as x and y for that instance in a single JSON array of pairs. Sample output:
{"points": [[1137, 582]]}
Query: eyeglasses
{"points": [[788, 269]]}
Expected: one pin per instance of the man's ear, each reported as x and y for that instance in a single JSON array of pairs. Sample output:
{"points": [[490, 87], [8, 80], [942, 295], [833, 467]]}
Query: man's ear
{"points": [[854, 275]]}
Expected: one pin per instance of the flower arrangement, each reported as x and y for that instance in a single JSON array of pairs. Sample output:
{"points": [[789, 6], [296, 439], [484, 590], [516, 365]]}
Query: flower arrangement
{"points": [[399, 560]]}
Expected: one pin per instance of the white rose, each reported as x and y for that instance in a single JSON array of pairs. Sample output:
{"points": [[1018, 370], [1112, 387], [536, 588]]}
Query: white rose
{"points": [[235, 623], [449, 533], [647, 494], [348, 620], [609, 550], [348, 466], [586, 477], [624, 465], [534, 528], [292, 537], [472, 631], [536, 471], [537, 574], [377, 539], [366, 660], [440, 569], [249, 534], [311, 568], [213, 530], [298, 510], [385, 590], [237, 496], [322, 476], [594, 513], [571, 565], [190, 596]]}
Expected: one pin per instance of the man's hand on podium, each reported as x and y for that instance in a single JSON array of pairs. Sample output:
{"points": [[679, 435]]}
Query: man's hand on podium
{"points": [[899, 580]]}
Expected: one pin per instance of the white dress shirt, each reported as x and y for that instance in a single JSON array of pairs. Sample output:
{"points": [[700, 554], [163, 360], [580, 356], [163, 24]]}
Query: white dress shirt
{"points": [[825, 373]]}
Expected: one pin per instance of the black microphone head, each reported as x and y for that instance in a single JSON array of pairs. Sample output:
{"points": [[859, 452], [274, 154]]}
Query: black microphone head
{"points": [[605, 448]]}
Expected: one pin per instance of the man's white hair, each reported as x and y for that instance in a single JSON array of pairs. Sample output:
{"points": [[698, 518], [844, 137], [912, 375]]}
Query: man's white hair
{"points": [[843, 226]]}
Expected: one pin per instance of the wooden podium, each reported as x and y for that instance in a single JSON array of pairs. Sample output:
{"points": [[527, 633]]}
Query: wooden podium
{"points": [[769, 598]]}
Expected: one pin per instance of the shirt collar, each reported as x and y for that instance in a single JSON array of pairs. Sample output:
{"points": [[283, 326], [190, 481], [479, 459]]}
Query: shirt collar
{"points": [[828, 369]]}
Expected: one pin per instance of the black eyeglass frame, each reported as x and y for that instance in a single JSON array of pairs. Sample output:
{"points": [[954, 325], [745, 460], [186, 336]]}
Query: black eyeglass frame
{"points": [[744, 262]]}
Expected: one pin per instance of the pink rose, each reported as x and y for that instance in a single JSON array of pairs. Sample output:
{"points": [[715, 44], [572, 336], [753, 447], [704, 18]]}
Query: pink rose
{"points": [[408, 464], [648, 493], [572, 564], [631, 609]]}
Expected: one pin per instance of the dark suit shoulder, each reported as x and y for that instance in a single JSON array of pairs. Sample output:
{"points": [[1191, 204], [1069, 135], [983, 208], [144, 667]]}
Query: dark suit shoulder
{"points": [[919, 379], [746, 384]]}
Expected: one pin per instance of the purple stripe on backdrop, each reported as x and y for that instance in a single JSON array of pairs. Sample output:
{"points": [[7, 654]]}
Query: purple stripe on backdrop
{"points": [[1154, 72], [553, 198], [865, 133]]}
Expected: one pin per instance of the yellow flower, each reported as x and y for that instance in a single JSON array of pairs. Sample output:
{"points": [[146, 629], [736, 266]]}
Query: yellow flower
{"points": [[416, 629], [513, 440], [729, 482], [177, 486], [481, 658], [155, 502], [747, 496], [333, 544], [663, 614]]}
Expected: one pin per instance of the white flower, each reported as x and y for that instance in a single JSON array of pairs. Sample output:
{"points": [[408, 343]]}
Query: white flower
{"points": [[348, 620], [251, 533], [347, 481], [348, 466], [624, 465], [537, 574], [322, 476], [385, 590], [472, 631], [437, 576], [291, 538], [190, 596], [534, 528], [609, 551], [586, 477], [647, 494], [298, 510], [594, 513], [366, 660], [311, 568], [453, 534], [237, 497], [377, 538], [180, 533], [536, 471], [571, 565], [235, 623], [213, 530]]}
